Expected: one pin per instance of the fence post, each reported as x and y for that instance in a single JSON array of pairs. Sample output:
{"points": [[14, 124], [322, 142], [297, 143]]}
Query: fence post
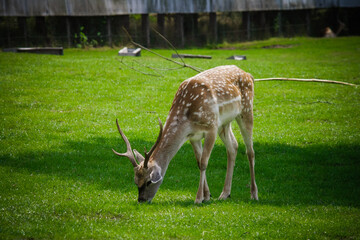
{"points": [[280, 23], [41, 30], [308, 22], [161, 23], [108, 23], [194, 28], [248, 26], [68, 31], [23, 26], [179, 25], [145, 27], [8, 33], [160, 19], [213, 27]]}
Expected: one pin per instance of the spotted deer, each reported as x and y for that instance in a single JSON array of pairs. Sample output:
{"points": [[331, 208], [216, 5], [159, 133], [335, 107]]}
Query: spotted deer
{"points": [[204, 106]]}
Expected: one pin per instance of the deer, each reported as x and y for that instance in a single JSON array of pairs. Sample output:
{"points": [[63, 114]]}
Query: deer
{"points": [[204, 106]]}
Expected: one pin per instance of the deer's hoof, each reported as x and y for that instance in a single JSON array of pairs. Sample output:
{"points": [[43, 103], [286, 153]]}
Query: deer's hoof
{"points": [[207, 197], [224, 196], [254, 196]]}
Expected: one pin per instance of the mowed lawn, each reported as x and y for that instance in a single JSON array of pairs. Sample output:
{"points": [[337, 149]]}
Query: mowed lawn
{"points": [[59, 178]]}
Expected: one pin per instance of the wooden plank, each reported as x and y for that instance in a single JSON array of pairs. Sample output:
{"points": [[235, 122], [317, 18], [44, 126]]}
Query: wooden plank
{"points": [[44, 50], [190, 56]]}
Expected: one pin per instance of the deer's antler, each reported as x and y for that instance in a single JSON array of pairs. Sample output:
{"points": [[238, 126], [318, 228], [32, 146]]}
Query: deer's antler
{"points": [[129, 153], [148, 154]]}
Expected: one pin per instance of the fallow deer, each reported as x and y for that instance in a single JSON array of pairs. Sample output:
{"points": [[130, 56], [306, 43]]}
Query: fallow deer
{"points": [[204, 106]]}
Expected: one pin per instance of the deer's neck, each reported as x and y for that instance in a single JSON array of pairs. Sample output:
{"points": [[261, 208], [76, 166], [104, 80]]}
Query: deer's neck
{"points": [[174, 136]]}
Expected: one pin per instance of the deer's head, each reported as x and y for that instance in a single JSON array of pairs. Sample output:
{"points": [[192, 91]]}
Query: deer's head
{"points": [[148, 177]]}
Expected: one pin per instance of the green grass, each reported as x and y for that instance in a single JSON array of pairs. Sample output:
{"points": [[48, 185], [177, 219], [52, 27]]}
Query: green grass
{"points": [[59, 178]]}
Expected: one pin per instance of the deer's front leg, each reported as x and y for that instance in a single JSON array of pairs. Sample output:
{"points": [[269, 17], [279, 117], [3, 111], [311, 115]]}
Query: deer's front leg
{"points": [[197, 146], [203, 191]]}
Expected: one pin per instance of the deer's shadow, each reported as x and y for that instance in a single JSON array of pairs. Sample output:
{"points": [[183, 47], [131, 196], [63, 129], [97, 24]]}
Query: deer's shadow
{"points": [[285, 174]]}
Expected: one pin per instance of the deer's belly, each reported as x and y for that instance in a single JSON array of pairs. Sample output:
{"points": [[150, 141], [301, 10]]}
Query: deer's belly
{"points": [[228, 111]]}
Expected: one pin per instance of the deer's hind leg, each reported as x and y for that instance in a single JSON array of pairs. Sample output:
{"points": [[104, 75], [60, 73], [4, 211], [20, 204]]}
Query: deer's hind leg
{"points": [[245, 122], [231, 145]]}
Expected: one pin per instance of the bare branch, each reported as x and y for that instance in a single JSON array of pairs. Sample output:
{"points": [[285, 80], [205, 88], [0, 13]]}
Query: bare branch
{"points": [[161, 56], [169, 43]]}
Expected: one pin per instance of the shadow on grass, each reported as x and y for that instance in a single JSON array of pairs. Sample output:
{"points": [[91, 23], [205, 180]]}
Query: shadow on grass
{"points": [[286, 175]]}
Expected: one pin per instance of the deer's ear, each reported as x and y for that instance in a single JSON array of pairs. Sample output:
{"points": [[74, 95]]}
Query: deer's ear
{"points": [[138, 156], [155, 174]]}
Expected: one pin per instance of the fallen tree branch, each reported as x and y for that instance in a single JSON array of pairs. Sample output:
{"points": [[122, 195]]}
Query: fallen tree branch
{"points": [[305, 80], [184, 65]]}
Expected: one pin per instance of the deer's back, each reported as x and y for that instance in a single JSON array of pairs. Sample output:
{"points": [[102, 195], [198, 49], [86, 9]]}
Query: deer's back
{"points": [[213, 97]]}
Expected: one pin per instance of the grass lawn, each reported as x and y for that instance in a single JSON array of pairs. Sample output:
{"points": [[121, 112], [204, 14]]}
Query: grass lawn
{"points": [[59, 178]]}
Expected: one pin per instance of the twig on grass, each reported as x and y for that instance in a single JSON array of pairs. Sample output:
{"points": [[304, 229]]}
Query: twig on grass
{"points": [[137, 70], [305, 80], [158, 69], [303, 103]]}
